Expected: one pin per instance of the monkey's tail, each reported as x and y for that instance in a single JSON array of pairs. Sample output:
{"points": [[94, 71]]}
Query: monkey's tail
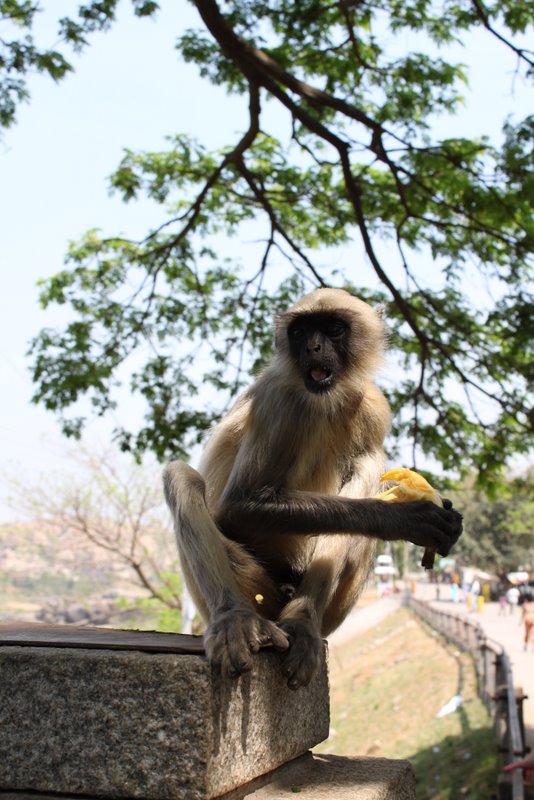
{"points": [[211, 562]]}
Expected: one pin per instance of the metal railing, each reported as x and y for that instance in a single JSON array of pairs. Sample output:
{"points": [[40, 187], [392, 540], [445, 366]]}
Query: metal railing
{"points": [[495, 686]]}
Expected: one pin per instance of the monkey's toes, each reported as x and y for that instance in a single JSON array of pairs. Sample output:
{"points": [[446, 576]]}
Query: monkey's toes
{"points": [[302, 659], [299, 668]]}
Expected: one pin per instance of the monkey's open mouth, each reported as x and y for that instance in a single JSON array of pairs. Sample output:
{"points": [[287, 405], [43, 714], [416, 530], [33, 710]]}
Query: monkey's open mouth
{"points": [[319, 379]]}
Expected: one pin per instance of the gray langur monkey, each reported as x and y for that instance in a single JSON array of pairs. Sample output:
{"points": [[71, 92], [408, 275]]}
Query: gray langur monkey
{"points": [[277, 529]]}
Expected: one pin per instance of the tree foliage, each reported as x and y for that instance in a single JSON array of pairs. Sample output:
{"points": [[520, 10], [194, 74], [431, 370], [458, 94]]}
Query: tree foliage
{"points": [[499, 534], [341, 147]]}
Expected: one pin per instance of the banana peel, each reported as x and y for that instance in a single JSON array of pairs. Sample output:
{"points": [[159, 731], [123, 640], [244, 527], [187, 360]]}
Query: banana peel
{"points": [[410, 486]]}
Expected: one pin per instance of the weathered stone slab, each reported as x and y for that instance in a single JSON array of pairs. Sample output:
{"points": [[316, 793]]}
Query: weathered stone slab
{"points": [[112, 723], [314, 777], [330, 777]]}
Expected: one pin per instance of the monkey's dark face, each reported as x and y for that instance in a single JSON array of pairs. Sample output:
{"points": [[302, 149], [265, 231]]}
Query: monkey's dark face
{"points": [[318, 345]]}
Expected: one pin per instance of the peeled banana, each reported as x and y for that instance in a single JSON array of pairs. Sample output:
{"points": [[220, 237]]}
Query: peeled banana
{"points": [[411, 486]]}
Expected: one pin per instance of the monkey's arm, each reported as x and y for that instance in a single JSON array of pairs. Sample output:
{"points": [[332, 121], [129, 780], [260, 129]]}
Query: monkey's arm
{"points": [[257, 513]]}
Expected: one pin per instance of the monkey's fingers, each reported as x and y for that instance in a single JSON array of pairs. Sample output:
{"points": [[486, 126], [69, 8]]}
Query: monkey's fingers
{"points": [[430, 526], [234, 636], [429, 554], [455, 521], [238, 654], [244, 640], [226, 641], [275, 636], [435, 541]]}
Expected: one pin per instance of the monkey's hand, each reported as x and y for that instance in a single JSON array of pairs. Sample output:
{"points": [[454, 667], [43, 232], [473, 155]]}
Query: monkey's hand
{"points": [[235, 634], [427, 525], [305, 647], [409, 485]]}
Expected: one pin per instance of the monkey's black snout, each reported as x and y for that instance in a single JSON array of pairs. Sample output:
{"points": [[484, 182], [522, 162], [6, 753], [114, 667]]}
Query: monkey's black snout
{"points": [[315, 343]]}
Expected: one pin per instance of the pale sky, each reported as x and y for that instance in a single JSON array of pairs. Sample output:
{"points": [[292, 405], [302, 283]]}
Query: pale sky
{"points": [[129, 90]]}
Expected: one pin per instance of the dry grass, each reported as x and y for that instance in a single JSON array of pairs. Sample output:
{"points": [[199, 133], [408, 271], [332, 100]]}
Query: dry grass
{"points": [[387, 686]]}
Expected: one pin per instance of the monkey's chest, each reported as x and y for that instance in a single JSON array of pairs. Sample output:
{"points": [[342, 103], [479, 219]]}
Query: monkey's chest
{"points": [[318, 472], [320, 463]]}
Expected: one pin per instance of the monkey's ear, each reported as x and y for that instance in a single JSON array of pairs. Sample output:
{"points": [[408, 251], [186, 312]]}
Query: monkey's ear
{"points": [[280, 328], [380, 309]]}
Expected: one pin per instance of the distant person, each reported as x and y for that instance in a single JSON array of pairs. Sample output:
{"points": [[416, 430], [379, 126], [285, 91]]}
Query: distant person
{"points": [[527, 618], [512, 598], [475, 591], [527, 765], [502, 604]]}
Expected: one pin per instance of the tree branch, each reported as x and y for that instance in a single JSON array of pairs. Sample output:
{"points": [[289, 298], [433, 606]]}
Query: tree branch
{"points": [[520, 52]]}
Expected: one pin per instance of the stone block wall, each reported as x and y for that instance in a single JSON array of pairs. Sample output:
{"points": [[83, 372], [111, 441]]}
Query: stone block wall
{"points": [[99, 721]]}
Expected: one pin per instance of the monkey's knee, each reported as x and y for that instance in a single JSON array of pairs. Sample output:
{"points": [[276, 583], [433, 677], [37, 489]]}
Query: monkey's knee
{"points": [[181, 483]]}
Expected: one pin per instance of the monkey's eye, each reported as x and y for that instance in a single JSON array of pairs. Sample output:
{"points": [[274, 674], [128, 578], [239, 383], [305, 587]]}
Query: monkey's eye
{"points": [[296, 332], [335, 330]]}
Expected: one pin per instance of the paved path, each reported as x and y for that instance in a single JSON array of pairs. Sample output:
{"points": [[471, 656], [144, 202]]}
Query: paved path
{"points": [[507, 630]]}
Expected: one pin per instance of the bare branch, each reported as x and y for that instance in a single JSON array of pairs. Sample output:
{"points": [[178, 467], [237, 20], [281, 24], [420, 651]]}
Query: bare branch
{"points": [[520, 52], [264, 202]]}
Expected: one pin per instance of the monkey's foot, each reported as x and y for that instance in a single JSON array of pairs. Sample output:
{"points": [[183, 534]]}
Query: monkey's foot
{"points": [[233, 636], [304, 655]]}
